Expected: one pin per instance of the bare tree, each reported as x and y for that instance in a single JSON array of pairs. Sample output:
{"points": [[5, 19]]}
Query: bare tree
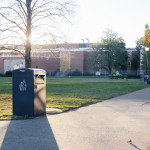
{"points": [[23, 19]]}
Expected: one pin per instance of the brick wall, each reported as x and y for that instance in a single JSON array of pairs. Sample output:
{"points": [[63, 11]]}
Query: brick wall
{"points": [[65, 58], [1, 65], [51, 65], [77, 60], [51, 62]]}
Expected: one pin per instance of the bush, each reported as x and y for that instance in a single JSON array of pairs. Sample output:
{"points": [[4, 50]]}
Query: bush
{"points": [[8, 74], [55, 72], [133, 76], [2, 75], [87, 74], [76, 73]]}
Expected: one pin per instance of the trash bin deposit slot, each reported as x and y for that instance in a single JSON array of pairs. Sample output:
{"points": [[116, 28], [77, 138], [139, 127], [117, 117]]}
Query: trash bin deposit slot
{"points": [[39, 79]]}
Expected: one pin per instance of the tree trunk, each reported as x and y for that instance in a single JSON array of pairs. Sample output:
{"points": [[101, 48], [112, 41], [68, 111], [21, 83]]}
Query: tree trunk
{"points": [[28, 35], [109, 71], [28, 55]]}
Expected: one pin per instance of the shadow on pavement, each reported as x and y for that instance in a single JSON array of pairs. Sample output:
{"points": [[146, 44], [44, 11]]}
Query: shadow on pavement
{"points": [[35, 134], [130, 142]]}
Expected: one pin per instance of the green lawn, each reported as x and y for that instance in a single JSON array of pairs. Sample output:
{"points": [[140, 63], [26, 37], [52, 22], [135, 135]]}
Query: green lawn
{"points": [[69, 93]]}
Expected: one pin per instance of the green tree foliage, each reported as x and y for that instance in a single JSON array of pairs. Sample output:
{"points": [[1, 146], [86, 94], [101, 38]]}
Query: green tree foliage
{"points": [[110, 53], [139, 44], [135, 61], [144, 61]]}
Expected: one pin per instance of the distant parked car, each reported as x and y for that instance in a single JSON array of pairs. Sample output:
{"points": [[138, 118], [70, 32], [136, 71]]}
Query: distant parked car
{"points": [[116, 76]]}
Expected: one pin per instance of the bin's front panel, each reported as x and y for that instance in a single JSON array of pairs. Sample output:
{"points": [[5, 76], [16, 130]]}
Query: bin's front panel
{"points": [[23, 92], [39, 93]]}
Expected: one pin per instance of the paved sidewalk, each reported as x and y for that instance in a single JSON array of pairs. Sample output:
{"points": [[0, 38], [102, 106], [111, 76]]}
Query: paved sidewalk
{"points": [[121, 123]]}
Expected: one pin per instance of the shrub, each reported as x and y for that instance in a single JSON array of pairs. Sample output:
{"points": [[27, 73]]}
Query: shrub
{"points": [[76, 73], [55, 72], [2, 75], [87, 74], [133, 76], [8, 74]]}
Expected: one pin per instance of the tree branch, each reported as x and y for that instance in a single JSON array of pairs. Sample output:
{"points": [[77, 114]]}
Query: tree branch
{"points": [[13, 22], [5, 48], [21, 3]]}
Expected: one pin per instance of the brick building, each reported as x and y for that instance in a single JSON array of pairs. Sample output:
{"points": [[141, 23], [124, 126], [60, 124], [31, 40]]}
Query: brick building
{"points": [[72, 57]]}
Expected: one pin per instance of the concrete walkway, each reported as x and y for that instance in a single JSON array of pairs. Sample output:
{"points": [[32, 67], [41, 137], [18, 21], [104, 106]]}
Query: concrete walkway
{"points": [[121, 123]]}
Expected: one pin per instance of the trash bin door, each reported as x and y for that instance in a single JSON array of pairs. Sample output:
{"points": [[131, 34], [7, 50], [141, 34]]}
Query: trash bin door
{"points": [[23, 92], [39, 93]]}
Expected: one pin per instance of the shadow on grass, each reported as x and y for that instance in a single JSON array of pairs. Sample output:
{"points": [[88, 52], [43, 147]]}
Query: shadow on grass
{"points": [[34, 134]]}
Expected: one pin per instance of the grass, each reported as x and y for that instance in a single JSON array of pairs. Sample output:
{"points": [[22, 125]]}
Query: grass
{"points": [[70, 93]]}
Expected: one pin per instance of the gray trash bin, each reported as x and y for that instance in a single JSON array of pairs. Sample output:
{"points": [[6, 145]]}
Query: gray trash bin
{"points": [[29, 92]]}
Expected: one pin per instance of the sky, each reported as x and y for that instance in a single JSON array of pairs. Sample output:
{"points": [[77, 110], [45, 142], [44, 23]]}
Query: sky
{"points": [[93, 17]]}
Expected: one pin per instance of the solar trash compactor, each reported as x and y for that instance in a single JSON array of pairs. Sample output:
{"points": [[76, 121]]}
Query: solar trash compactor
{"points": [[29, 92]]}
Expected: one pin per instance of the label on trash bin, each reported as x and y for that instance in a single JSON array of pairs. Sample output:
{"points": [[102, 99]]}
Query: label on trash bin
{"points": [[23, 86]]}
